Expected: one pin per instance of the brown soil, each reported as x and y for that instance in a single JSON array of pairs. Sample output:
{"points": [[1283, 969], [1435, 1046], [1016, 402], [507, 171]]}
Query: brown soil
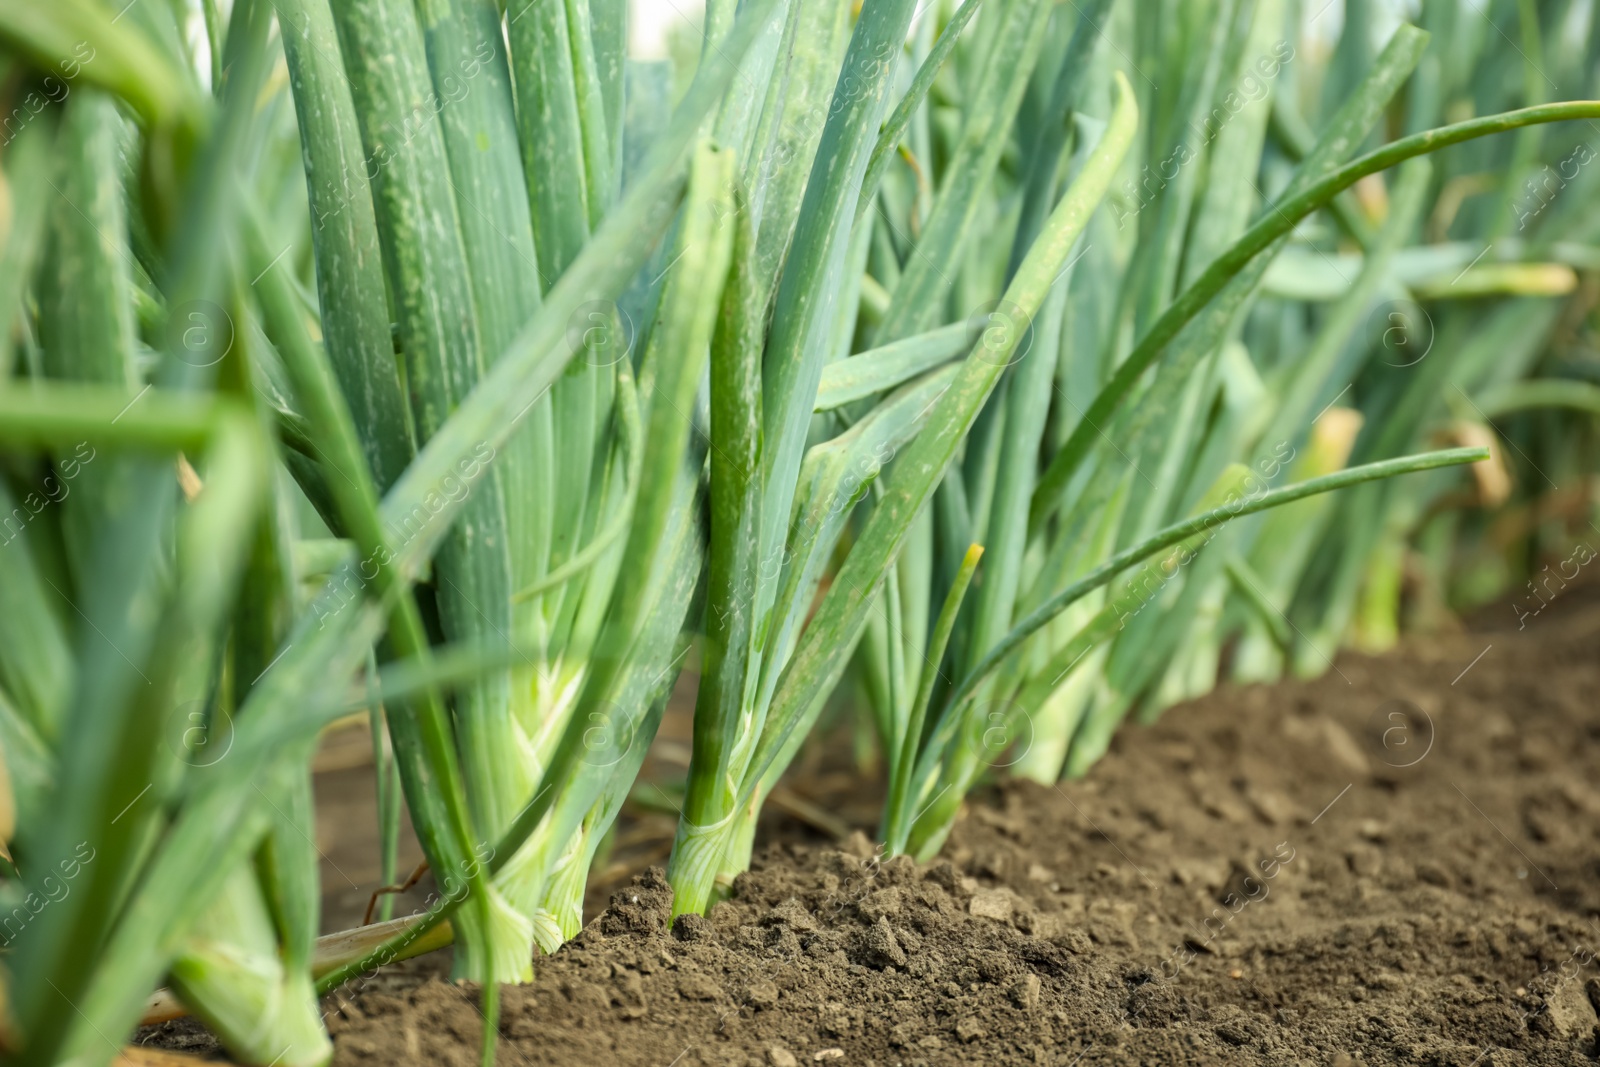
{"points": [[1272, 875]]}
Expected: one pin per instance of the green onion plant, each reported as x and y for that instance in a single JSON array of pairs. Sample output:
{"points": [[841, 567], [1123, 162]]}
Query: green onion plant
{"points": [[436, 363]]}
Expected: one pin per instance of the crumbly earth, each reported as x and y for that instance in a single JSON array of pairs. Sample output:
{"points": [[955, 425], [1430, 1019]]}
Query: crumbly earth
{"points": [[1397, 863]]}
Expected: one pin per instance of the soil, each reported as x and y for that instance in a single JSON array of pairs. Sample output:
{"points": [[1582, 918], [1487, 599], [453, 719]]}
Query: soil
{"points": [[1397, 863]]}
